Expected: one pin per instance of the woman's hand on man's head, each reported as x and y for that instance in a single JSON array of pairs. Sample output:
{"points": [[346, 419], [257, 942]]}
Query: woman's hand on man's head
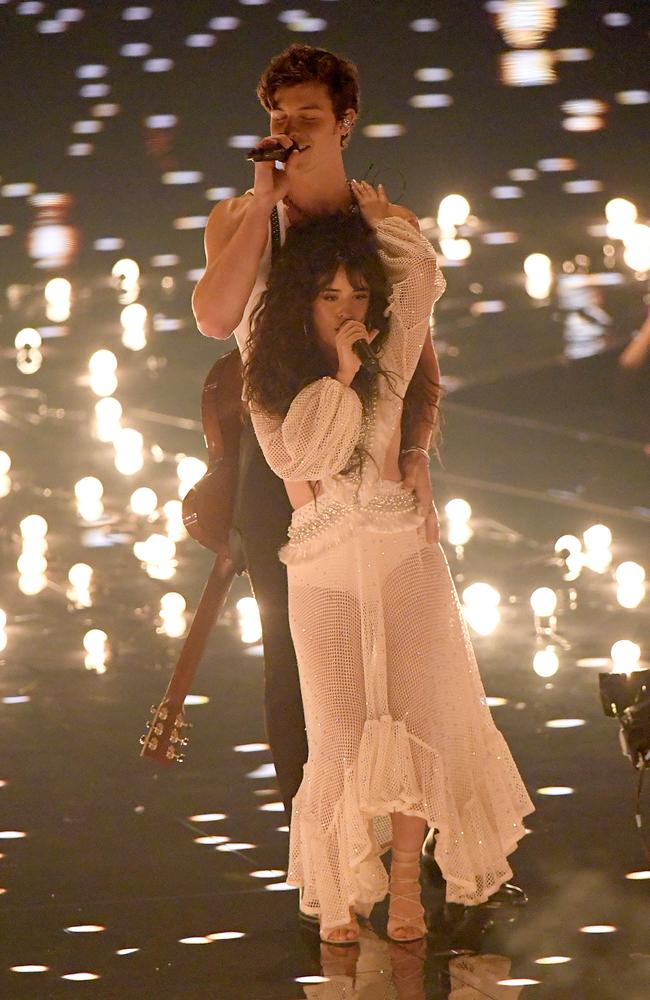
{"points": [[373, 202]]}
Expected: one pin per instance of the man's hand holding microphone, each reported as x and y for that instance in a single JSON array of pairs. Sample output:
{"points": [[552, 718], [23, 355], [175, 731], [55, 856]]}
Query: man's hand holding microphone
{"points": [[272, 185]]}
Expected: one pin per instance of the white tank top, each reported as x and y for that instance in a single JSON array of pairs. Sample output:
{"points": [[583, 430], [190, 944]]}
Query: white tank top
{"points": [[242, 331]]}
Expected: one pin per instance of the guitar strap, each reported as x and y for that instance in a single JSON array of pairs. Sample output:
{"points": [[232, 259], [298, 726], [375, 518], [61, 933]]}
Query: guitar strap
{"points": [[276, 238]]}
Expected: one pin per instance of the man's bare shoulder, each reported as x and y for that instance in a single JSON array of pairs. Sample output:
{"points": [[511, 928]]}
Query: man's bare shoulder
{"points": [[223, 221], [404, 213], [230, 209]]}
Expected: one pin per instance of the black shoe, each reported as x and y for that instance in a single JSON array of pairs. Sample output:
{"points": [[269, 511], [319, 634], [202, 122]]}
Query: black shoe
{"points": [[308, 918], [507, 895], [460, 929]]}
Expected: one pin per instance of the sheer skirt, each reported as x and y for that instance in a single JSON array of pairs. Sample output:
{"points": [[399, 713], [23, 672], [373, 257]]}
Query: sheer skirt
{"points": [[396, 721]]}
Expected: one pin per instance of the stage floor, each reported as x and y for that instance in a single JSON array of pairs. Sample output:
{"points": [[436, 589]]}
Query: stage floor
{"points": [[105, 883]]}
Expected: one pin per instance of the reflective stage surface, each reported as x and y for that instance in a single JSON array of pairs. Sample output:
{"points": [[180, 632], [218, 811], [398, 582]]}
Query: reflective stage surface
{"points": [[122, 880], [172, 880]]}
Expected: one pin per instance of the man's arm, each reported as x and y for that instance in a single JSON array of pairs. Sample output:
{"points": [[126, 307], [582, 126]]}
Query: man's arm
{"points": [[404, 213], [424, 391], [424, 387], [235, 238], [638, 349], [417, 431]]}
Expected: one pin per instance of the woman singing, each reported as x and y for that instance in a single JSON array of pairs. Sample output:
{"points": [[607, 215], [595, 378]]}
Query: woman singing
{"points": [[400, 736]]}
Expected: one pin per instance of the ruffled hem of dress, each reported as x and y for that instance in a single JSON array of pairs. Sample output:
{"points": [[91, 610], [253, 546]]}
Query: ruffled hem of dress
{"points": [[340, 531], [391, 774]]}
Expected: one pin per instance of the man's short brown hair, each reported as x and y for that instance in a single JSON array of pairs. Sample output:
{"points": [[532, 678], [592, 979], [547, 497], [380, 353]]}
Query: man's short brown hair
{"points": [[306, 64]]}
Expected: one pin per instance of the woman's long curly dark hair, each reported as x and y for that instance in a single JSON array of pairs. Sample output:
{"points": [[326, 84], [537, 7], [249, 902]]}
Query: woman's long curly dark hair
{"points": [[284, 353]]}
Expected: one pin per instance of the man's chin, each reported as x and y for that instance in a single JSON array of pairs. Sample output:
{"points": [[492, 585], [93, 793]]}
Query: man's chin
{"points": [[303, 159]]}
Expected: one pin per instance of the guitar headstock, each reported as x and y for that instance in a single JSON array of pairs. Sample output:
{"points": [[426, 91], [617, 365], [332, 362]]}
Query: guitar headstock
{"points": [[164, 738]]}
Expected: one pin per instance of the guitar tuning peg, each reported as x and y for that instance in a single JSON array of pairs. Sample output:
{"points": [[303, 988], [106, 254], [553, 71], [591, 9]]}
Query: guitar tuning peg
{"points": [[185, 742], [179, 758], [143, 740], [153, 709]]}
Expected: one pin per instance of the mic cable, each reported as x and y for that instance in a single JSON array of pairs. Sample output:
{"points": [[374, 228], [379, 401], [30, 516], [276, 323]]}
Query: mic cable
{"points": [[366, 355]]}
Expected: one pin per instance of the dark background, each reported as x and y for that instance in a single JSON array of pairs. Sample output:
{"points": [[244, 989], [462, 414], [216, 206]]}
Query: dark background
{"points": [[468, 147]]}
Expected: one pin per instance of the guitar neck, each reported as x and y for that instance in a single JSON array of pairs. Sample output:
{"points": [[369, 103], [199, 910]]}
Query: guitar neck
{"points": [[210, 605]]}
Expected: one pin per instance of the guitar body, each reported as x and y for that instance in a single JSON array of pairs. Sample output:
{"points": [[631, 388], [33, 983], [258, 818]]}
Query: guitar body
{"points": [[208, 507]]}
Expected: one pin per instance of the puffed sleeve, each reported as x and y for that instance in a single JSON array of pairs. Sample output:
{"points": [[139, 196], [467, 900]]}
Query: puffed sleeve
{"points": [[417, 282], [317, 436]]}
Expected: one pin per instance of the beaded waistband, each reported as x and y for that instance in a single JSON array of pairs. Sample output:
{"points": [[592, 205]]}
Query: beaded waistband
{"points": [[311, 520], [330, 520]]}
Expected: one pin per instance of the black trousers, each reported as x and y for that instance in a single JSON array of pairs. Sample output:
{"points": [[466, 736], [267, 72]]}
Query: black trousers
{"points": [[262, 516]]}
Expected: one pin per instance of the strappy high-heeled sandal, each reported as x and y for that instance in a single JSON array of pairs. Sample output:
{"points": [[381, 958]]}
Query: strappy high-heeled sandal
{"points": [[407, 874], [353, 925]]}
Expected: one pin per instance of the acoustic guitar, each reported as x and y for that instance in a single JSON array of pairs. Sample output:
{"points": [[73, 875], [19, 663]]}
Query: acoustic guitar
{"points": [[207, 516]]}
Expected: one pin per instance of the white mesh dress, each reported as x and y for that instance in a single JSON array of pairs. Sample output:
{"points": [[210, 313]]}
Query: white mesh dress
{"points": [[395, 710]]}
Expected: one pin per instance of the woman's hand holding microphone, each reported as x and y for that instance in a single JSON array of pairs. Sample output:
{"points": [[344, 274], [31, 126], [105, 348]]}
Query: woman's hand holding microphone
{"points": [[348, 334]]}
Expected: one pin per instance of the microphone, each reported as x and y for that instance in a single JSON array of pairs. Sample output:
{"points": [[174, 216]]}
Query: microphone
{"points": [[267, 154], [366, 355]]}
